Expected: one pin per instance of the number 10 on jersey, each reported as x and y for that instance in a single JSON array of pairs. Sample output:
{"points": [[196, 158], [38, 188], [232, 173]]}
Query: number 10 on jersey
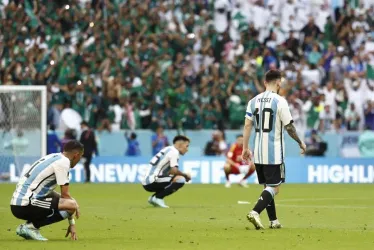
{"points": [[266, 122]]}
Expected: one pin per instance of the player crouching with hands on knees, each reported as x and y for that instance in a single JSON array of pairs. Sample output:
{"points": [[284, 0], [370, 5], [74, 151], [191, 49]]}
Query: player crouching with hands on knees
{"points": [[35, 200], [234, 164], [163, 177]]}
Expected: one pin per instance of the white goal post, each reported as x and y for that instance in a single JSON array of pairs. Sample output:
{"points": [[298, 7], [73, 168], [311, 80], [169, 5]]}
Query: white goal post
{"points": [[23, 126], [43, 109]]}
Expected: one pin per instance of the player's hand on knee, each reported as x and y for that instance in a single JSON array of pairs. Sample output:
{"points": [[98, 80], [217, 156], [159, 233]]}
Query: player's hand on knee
{"points": [[187, 176], [77, 212], [69, 205]]}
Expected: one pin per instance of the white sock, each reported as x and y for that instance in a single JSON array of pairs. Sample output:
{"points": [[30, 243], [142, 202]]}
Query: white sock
{"points": [[274, 221], [30, 225]]}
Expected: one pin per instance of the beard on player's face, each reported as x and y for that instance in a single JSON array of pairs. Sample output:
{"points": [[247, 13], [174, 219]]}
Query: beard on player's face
{"points": [[75, 160], [278, 87]]}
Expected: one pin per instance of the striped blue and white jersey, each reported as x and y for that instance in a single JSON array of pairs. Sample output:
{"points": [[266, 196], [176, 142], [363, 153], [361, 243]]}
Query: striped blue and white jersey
{"points": [[41, 179], [160, 165], [270, 113]]}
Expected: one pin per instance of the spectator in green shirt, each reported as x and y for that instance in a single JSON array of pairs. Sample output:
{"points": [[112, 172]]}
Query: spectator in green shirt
{"points": [[192, 120]]}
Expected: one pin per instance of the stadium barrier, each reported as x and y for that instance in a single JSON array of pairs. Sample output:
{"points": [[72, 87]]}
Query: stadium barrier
{"points": [[115, 144], [208, 170]]}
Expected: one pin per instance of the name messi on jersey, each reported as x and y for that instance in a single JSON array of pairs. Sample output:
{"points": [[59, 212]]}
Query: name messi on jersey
{"points": [[264, 99]]}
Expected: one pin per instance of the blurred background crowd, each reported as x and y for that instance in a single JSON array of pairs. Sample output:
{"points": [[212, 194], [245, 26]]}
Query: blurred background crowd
{"points": [[183, 64]]}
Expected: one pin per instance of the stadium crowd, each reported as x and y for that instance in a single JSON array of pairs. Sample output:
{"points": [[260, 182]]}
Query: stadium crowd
{"points": [[192, 64]]}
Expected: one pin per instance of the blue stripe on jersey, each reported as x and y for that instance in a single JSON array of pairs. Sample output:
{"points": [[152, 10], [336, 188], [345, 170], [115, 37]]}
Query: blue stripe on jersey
{"points": [[153, 169], [271, 145], [249, 114], [34, 173], [281, 140], [266, 93], [253, 105], [46, 189]]}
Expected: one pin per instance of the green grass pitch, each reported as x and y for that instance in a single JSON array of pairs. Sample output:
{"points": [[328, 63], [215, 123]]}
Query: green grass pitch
{"points": [[117, 216]]}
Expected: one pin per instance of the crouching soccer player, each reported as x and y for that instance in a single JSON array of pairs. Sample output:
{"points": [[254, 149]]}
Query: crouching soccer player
{"points": [[35, 200], [164, 178], [234, 164]]}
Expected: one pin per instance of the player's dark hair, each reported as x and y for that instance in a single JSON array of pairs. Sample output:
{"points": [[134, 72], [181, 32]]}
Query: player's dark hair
{"points": [[238, 136], [73, 145], [180, 138], [272, 75]]}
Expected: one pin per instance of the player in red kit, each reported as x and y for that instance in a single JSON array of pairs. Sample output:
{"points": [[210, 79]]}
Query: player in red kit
{"points": [[234, 164]]}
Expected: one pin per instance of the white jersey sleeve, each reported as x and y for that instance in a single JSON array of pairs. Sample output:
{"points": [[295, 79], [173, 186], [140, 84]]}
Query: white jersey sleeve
{"points": [[249, 111], [61, 169], [160, 166], [174, 157], [284, 112]]}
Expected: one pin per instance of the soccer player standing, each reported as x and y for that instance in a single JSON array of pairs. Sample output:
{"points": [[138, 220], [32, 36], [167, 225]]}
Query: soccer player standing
{"points": [[269, 113], [34, 199], [163, 177]]}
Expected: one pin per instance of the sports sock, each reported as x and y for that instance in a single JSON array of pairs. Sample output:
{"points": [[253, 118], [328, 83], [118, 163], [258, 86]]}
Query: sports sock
{"points": [[227, 174], [270, 209], [266, 197], [30, 225], [171, 188], [250, 172], [55, 217]]}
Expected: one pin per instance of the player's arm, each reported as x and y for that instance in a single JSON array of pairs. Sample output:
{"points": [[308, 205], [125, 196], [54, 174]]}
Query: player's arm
{"points": [[230, 154], [248, 123], [66, 203], [230, 161], [291, 130], [247, 134], [175, 171], [65, 194], [57, 195], [286, 118], [174, 168]]}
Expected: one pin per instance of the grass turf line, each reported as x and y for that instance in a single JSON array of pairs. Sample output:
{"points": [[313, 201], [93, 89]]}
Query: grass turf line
{"points": [[117, 216]]}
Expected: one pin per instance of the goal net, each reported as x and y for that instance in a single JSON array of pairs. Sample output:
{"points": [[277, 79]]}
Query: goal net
{"points": [[23, 128]]}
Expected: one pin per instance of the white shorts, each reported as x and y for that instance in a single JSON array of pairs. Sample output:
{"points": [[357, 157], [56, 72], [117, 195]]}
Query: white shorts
{"points": [[242, 169]]}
